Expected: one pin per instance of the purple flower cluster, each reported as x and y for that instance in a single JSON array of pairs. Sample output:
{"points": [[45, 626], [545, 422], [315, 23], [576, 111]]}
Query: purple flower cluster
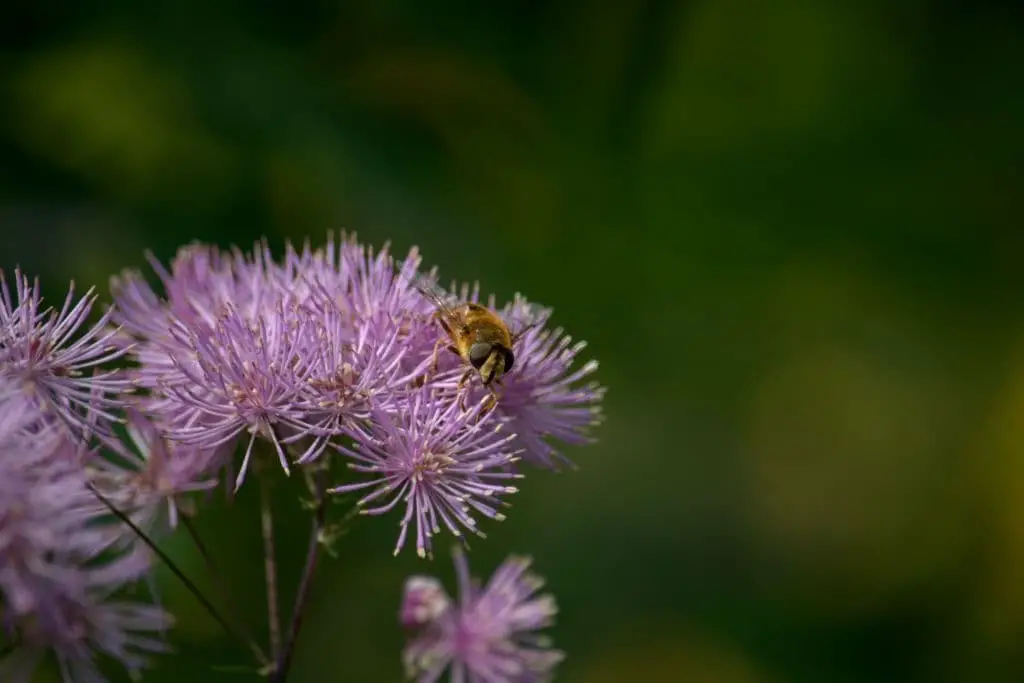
{"points": [[62, 559], [330, 352], [326, 356], [488, 635]]}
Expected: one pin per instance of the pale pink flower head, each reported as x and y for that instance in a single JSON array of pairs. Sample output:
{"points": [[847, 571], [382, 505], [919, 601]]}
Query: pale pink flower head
{"points": [[488, 635]]}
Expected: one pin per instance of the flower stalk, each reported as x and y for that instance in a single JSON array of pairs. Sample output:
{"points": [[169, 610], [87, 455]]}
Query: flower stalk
{"points": [[269, 562], [179, 574], [317, 484]]}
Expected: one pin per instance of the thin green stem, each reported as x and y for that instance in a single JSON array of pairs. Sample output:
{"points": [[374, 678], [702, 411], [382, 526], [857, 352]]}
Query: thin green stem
{"points": [[219, 584], [192, 588], [270, 566], [317, 483]]}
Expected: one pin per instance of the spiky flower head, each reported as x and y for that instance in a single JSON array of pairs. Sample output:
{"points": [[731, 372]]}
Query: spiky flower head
{"points": [[244, 377], [359, 365], [441, 464], [57, 360], [488, 634]]}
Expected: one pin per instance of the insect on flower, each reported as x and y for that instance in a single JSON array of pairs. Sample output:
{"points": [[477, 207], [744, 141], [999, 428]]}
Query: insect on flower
{"points": [[475, 333]]}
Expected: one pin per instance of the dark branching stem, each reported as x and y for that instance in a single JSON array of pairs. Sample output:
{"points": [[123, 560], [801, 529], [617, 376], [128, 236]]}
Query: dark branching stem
{"points": [[219, 584], [187, 582], [270, 567], [316, 481]]}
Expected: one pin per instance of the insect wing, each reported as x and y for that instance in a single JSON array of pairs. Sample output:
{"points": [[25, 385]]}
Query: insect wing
{"points": [[426, 285], [437, 296]]}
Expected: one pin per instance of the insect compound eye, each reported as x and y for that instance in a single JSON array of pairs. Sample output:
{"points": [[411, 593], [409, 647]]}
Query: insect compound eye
{"points": [[478, 353], [510, 358]]}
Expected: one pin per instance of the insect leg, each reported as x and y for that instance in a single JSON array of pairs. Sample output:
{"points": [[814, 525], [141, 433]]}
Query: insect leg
{"points": [[462, 390], [490, 403], [435, 356], [493, 395]]}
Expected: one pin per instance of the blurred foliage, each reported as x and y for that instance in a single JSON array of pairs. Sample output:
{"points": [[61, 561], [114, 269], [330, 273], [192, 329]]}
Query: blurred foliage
{"points": [[790, 231]]}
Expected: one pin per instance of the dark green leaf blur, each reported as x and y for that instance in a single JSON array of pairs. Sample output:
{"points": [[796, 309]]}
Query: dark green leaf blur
{"points": [[790, 231]]}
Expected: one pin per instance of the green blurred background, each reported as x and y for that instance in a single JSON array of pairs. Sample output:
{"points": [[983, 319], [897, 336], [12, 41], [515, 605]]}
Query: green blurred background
{"points": [[789, 230]]}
